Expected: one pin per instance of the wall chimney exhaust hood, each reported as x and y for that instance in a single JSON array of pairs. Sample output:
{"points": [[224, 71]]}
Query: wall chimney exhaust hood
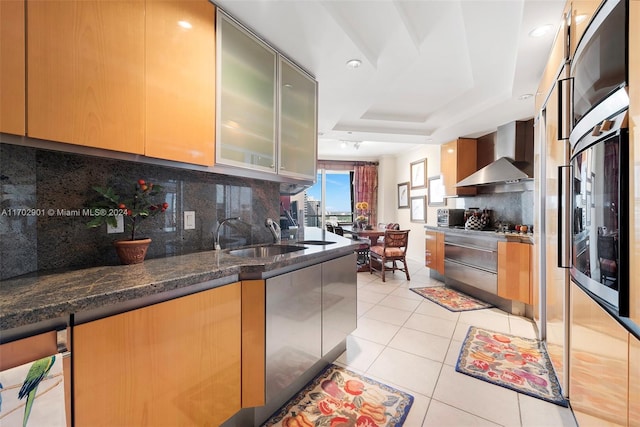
{"points": [[512, 154]]}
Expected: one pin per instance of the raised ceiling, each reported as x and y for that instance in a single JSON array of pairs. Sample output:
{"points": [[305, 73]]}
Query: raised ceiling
{"points": [[431, 71]]}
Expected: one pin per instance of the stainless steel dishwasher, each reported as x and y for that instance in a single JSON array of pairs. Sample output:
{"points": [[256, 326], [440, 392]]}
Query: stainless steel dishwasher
{"points": [[473, 260], [293, 327]]}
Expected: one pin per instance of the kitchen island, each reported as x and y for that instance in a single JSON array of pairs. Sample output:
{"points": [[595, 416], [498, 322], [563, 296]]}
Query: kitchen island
{"points": [[489, 265], [193, 335]]}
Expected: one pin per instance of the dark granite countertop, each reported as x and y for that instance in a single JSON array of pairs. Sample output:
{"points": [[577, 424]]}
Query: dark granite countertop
{"points": [[492, 234], [37, 298]]}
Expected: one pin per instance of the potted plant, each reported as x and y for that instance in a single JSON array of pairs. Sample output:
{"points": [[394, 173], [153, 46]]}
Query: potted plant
{"points": [[142, 203], [362, 219]]}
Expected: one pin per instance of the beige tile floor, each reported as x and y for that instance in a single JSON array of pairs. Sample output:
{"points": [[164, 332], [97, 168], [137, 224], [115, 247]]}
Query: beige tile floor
{"points": [[410, 343]]}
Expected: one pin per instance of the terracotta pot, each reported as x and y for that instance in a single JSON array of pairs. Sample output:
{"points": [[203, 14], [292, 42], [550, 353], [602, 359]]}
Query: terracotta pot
{"points": [[132, 251]]}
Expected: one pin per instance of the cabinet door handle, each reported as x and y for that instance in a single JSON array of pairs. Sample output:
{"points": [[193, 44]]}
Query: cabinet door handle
{"points": [[475, 248], [565, 174], [564, 108]]}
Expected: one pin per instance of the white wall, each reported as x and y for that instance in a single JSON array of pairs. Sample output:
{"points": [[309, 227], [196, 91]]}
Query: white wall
{"points": [[387, 185], [395, 170]]}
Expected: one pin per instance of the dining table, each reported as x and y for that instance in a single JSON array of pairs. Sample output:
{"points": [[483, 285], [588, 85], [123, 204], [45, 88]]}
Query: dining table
{"points": [[364, 235], [373, 235]]}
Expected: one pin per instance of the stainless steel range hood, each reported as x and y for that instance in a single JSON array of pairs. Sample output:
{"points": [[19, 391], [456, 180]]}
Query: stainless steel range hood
{"points": [[513, 157]]}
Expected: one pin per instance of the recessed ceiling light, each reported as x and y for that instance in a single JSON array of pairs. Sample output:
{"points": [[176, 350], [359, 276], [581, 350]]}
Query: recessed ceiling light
{"points": [[185, 24], [525, 96], [354, 63], [540, 31]]}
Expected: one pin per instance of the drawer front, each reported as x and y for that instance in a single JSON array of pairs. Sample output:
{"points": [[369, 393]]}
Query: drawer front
{"points": [[478, 278], [484, 240], [484, 258]]}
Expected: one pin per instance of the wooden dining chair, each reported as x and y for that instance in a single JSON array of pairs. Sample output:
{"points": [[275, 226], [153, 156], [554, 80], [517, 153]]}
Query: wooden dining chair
{"points": [[608, 259], [392, 250]]}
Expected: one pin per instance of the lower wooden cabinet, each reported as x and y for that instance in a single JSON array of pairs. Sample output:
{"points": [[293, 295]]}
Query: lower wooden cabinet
{"points": [[514, 271], [19, 352], [253, 343], [173, 363], [634, 384], [434, 251], [599, 357]]}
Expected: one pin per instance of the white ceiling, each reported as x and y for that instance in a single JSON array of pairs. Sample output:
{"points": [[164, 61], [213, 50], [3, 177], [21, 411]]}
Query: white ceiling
{"points": [[432, 70]]}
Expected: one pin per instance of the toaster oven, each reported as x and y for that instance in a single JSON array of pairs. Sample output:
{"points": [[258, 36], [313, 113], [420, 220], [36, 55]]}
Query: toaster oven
{"points": [[450, 217]]}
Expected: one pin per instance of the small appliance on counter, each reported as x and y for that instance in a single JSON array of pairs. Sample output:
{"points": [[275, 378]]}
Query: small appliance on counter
{"points": [[450, 217], [476, 219]]}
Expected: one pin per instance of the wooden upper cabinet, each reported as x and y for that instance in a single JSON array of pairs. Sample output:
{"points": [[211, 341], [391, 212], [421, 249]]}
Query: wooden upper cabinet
{"points": [[514, 271], [458, 160], [175, 363], [12, 67], [180, 80], [581, 13], [434, 251], [85, 73]]}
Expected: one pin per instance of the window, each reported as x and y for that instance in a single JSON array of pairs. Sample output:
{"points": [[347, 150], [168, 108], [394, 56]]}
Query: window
{"points": [[337, 203]]}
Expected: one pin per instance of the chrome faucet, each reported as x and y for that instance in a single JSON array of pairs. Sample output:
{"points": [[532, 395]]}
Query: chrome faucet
{"points": [[274, 228], [216, 239]]}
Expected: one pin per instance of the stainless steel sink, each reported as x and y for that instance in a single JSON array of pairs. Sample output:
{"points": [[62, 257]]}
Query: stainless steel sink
{"points": [[265, 251], [316, 242]]}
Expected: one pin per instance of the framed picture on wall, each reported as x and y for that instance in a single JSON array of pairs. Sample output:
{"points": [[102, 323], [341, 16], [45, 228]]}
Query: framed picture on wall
{"points": [[403, 195], [418, 209], [436, 191], [419, 174]]}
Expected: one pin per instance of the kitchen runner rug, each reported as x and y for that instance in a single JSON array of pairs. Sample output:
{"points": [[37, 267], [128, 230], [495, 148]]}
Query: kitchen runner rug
{"points": [[520, 364], [451, 299], [338, 396]]}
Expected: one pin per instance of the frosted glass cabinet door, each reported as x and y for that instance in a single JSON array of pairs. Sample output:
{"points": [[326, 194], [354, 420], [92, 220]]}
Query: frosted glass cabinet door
{"points": [[298, 122], [247, 99]]}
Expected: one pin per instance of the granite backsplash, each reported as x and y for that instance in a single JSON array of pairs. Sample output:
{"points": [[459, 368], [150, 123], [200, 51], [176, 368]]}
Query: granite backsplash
{"points": [[511, 207], [42, 194]]}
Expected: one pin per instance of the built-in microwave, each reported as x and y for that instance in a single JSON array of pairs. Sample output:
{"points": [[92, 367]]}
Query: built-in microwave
{"points": [[599, 66]]}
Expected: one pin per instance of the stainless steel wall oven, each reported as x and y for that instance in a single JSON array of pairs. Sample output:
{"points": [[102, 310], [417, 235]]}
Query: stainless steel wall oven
{"points": [[598, 175]]}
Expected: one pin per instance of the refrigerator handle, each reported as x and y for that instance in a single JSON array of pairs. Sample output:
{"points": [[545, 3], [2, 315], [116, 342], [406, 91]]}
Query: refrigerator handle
{"points": [[565, 87], [564, 219]]}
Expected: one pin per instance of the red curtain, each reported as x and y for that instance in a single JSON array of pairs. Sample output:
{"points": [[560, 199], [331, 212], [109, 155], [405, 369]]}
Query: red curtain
{"points": [[365, 184]]}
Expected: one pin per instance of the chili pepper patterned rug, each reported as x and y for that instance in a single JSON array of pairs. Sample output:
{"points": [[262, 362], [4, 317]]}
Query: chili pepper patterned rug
{"points": [[451, 299], [339, 397], [520, 364]]}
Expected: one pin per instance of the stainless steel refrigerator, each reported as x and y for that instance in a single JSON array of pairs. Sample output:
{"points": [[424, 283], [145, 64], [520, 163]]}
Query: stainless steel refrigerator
{"points": [[551, 301]]}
